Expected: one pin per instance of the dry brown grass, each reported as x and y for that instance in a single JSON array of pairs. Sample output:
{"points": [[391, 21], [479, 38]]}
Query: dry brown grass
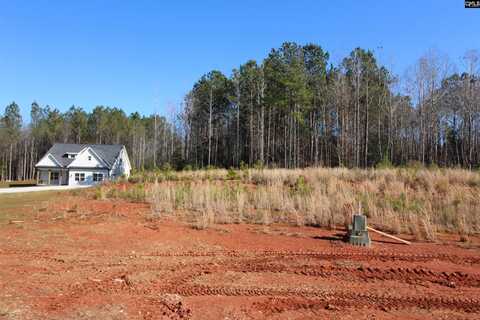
{"points": [[417, 201]]}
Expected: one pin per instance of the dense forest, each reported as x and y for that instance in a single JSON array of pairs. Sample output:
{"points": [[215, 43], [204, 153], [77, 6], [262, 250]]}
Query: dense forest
{"points": [[296, 108]]}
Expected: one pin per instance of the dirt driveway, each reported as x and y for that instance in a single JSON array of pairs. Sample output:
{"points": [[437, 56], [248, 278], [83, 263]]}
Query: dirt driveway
{"points": [[38, 188]]}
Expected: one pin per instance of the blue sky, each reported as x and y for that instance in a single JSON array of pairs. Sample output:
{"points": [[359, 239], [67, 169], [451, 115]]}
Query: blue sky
{"points": [[145, 55]]}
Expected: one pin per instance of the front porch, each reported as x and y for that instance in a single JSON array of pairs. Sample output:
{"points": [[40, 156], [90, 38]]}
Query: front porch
{"points": [[51, 176]]}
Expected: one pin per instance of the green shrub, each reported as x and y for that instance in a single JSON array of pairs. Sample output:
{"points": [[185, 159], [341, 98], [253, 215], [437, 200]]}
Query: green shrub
{"points": [[301, 187], [402, 204], [167, 167], [363, 199], [135, 179], [415, 165], [259, 165], [182, 194], [232, 174], [385, 163], [243, 165], [113, 193], [135, 194]]}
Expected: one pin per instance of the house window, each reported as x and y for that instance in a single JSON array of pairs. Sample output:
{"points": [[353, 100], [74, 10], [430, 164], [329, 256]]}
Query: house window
{"points": [[69, 155], [79, 176], [98, 177], [89, 158], [53, 175]]}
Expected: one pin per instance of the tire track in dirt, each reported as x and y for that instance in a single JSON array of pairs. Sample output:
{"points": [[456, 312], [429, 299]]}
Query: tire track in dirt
{"points": [[451, 279], [182, 276], [349, 253], [361, 273], [275, 305], [366, 254], [338, 297], [281, 299], [181, 285], [183, 273], [268, 262], [277, 264]]}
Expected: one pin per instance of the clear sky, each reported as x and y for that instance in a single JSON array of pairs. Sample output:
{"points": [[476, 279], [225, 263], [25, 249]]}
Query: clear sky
{"points": [[141, 55]]}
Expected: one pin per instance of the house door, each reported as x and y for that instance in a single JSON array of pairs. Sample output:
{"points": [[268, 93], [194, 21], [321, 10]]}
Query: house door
{"points": [[55, 177], [64, 177]]}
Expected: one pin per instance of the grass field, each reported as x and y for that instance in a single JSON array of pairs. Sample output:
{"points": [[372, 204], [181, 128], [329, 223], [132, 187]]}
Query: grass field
{"points": [[416, 201]]}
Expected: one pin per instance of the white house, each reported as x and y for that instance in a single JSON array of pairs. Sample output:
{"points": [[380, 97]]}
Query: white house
{"points": [[82, 164]]}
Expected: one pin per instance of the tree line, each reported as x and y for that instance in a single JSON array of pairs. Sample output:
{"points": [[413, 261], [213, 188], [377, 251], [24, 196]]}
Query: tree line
{"points": [[296, 108], [150, 140]]}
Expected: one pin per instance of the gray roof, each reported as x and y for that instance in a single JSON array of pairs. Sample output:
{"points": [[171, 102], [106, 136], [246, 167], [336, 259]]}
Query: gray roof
{"points": [[108, 152]]}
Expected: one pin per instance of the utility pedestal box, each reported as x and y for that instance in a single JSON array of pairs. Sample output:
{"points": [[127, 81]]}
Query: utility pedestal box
{"points": [[358, 233]]}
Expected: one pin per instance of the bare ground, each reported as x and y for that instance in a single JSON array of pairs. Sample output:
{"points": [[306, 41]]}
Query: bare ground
{"points": [[77, 259]]}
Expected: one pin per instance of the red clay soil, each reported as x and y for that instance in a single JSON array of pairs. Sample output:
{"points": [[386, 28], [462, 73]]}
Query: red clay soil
{"points": [[108, 261]]}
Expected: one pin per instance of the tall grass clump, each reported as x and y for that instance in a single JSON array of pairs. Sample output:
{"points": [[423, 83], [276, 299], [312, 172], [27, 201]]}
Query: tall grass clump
{"points": [[417, 200], [134, 193]]}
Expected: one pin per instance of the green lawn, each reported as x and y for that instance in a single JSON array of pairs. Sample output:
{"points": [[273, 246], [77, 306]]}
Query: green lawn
{"points": [[16, 206]]}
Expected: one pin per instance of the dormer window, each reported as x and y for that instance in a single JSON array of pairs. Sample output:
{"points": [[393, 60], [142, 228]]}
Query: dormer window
{"points": [[70, 155]]}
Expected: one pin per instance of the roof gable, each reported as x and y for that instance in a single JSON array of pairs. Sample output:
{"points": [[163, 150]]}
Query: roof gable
{"points": [[48, 161], [88, 158], [105, 153]]}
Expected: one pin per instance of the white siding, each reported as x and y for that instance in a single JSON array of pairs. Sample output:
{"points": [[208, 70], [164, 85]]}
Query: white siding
{"points": [[121, 167], [87, 159], [47, 161], [88, 176]]}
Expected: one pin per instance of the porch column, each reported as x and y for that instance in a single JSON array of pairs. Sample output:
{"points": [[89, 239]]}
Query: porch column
{"points": [[38, 175], [49, 173]]}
